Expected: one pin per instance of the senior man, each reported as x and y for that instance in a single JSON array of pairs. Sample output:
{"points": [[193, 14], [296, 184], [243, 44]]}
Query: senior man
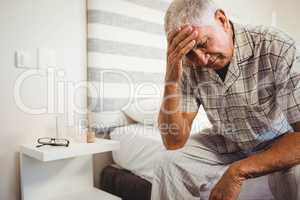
{"points": [[247, 80]]}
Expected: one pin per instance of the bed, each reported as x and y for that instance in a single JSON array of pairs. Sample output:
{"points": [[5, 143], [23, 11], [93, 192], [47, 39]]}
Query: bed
{"points": [[130, 176]]}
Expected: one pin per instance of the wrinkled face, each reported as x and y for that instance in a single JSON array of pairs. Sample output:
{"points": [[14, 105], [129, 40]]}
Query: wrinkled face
{"points": [[214, 47]]}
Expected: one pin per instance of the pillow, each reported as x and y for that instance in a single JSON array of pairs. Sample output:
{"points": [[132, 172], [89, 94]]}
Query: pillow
{"points": [[144, 111], [200, 122]]}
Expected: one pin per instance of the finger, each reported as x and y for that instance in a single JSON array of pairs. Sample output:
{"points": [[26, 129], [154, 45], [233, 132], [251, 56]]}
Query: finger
{"points": [[182, 44], [171, 55], [214, 197], [186, 49], [172, 34], [174, 56], [184, 33]]}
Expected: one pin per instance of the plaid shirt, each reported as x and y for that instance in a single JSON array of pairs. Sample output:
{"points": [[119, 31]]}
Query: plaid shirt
{"points": [[260, 96]]}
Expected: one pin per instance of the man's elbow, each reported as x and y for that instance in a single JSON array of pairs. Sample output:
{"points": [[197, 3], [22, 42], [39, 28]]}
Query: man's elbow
{"points": [[173, 136], [172, 147], [172, 143]]}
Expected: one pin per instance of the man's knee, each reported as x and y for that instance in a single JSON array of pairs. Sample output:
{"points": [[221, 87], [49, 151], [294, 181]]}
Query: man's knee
{"points": [[297, 173], [293, 174], [286, 183], [167, 160]]}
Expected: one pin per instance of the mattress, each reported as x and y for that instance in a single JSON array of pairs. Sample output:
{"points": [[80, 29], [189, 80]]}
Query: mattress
{"points": [[141, 145]]}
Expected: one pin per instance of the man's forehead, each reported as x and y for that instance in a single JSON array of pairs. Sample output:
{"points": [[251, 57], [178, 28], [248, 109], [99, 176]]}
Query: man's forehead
{"points": [[193, 25], [200, 29]]}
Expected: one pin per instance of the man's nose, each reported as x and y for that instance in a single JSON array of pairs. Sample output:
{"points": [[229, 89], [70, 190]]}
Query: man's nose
{"points": [[202, 57]]}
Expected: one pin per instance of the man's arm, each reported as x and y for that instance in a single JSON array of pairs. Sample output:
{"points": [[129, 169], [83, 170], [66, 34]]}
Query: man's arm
{"points": [[284, 153], [174, 124]]}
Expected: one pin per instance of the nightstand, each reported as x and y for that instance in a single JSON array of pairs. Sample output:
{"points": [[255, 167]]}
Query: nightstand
{"points": [[62, 173]]}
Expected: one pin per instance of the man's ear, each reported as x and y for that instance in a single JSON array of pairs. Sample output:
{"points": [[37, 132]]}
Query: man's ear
{"points": [[221, 18]]}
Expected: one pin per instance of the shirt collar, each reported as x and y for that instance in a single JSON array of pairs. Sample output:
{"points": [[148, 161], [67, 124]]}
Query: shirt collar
{"points": [[243, 43], [243, 51]]}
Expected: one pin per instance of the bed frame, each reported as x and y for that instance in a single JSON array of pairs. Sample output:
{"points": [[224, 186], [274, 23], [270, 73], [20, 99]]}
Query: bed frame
{"points": [[124, 184]]}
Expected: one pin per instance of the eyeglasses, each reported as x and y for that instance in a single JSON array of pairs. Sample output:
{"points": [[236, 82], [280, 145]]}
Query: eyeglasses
{"points": [[52, 142]]}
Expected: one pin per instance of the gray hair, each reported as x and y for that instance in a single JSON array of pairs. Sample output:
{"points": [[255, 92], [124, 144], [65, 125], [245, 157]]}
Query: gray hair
{"points": [[194, 12]]}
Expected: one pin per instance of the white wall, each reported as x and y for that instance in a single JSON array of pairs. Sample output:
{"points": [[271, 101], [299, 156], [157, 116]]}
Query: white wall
{"points": [[288, 17], [56, 24], [249, 12], [60, 25], [283, 14]]}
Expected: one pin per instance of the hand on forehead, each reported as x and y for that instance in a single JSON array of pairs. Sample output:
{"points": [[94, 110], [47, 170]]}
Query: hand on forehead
{"points": [[185, 26], [184, 29]]}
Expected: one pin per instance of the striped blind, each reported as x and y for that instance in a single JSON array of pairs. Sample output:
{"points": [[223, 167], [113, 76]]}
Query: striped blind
{"points": [[126, 56]]}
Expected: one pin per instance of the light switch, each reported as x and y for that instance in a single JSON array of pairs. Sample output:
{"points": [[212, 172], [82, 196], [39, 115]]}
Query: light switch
{"points": [[23, 60]]}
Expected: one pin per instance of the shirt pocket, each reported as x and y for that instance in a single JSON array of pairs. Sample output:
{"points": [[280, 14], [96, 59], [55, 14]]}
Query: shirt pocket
{"points": [[259, 116], [250, 119], [259, 96]]}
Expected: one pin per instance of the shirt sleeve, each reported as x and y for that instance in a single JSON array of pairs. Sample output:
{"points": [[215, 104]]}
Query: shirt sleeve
{"points": [[188, 100], [287, 79]]}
